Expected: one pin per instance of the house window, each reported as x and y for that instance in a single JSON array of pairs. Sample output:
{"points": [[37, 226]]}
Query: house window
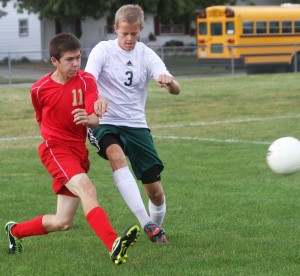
{"points": [[23, 27]]}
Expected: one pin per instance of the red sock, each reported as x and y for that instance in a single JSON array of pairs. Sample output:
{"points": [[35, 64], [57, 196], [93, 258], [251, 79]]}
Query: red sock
{"points": [[32, 227], [100, 223]]}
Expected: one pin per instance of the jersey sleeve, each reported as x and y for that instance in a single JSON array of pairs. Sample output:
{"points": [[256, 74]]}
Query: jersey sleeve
{"points": [[156, 65], [96, 60], [36, 105], [91, 94]]}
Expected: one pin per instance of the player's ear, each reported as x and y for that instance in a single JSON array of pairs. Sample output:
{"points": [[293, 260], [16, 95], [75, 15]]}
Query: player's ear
{"points": [[116, 28], [54, 61]]}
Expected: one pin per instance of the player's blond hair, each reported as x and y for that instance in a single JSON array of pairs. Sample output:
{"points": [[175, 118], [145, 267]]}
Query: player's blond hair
{"points": [[132, 14]]}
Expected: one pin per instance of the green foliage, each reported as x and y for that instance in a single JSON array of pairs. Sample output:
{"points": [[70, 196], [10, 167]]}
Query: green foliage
{"points": [[208, 3], [169, 11], [152, 37], [228, 214], [53, 9], [174, 43]]}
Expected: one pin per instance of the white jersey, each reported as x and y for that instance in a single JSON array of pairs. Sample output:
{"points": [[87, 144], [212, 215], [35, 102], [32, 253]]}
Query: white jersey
{"points": [[122, 78]]}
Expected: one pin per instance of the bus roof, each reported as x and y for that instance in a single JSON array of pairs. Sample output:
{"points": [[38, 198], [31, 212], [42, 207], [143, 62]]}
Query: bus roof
{"points": [[286, 11]]}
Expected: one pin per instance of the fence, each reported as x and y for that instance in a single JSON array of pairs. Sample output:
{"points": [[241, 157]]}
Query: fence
{"points": [[17, 67]]}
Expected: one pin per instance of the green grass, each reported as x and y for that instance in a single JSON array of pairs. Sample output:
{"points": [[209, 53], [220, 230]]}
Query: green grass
{"points": [[228, 214]]}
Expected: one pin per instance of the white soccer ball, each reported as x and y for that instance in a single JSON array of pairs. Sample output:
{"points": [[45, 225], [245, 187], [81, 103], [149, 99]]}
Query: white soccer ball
{"points": [[284, 155]]}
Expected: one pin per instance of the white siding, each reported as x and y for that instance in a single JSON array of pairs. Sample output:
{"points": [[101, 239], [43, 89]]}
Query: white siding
{"points": [[9, 33], [93, 31], [47, 32], [148, 27]]}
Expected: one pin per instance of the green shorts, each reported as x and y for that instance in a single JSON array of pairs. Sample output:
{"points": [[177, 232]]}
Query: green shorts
{"points": [[137, 144]]}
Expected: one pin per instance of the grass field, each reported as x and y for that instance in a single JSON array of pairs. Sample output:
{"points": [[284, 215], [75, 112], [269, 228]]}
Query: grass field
{"points": [[228, 214]]}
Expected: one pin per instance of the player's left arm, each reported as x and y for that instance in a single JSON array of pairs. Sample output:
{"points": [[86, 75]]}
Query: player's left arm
{"points": [[100, 107], [167, 81]]}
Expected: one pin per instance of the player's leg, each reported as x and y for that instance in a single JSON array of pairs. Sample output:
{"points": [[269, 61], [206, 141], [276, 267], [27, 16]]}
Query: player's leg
{"points": [[157, 202], [65, 212], [131, 194], [147, 167], [111, 147], [123, 178], [42, 225], [157, 205], [82, 186]]}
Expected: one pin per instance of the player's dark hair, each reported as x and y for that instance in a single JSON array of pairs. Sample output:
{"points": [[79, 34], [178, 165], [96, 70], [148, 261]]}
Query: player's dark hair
{"points": [[61, 43]]}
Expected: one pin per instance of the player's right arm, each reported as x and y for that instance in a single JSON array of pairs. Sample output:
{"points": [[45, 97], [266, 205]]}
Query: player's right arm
{"points": [[36, 105]]}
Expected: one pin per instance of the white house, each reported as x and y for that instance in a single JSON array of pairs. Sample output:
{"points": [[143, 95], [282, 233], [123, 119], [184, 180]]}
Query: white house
{"points": [[19, 32]]}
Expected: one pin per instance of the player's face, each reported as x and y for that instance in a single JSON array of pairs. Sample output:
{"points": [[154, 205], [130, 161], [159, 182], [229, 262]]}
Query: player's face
{"points": [[128, 35], [68, 64]]}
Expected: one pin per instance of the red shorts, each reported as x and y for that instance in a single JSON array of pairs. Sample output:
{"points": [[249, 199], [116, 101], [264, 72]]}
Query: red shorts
{"points": [[63, 162]]}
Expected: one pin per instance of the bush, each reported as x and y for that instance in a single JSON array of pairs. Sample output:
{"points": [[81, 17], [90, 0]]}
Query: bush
{"points": [[152, 37], [174, 43]]}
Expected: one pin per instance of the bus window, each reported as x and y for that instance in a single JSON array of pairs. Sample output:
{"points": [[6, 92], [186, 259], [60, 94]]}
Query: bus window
{"points": [[286, 26], [248, 27], [230, 28], [216, 28], [261, 27], [202, 29], [274, 27], [297, 26]]}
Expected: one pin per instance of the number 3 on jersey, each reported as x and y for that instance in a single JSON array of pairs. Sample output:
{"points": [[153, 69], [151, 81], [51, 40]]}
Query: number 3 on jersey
{"points": [[130, 77], [80, 97]]}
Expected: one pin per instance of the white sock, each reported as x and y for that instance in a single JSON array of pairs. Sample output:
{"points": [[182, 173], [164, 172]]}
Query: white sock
{"points": [[130, 192], [157, 213]]}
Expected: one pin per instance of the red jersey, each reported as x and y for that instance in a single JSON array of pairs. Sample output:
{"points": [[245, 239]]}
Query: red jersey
{"points": [[53, 103]]}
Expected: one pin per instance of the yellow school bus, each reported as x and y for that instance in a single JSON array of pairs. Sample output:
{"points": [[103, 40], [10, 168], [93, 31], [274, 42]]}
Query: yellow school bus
{"points": [[250, 36]]}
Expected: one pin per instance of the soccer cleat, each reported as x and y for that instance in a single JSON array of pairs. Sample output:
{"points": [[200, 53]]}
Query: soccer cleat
{"points": [[119, 249], [155, 233], [14, 244]]}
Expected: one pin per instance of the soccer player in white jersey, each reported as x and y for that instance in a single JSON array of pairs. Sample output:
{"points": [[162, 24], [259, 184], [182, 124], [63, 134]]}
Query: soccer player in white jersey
{"points": [[123, 67]]}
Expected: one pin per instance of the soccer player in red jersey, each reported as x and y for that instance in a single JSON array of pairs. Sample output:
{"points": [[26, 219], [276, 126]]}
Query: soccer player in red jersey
{"points": [[64, 105]]}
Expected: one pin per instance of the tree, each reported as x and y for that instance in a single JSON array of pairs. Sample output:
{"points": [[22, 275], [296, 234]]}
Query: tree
{"points": [[207, 3], [55, 9]]}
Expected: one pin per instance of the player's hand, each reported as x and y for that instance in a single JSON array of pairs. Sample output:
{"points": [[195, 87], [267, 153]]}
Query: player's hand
{"points": [[164, 80], [100, 107], [80, 116]]}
